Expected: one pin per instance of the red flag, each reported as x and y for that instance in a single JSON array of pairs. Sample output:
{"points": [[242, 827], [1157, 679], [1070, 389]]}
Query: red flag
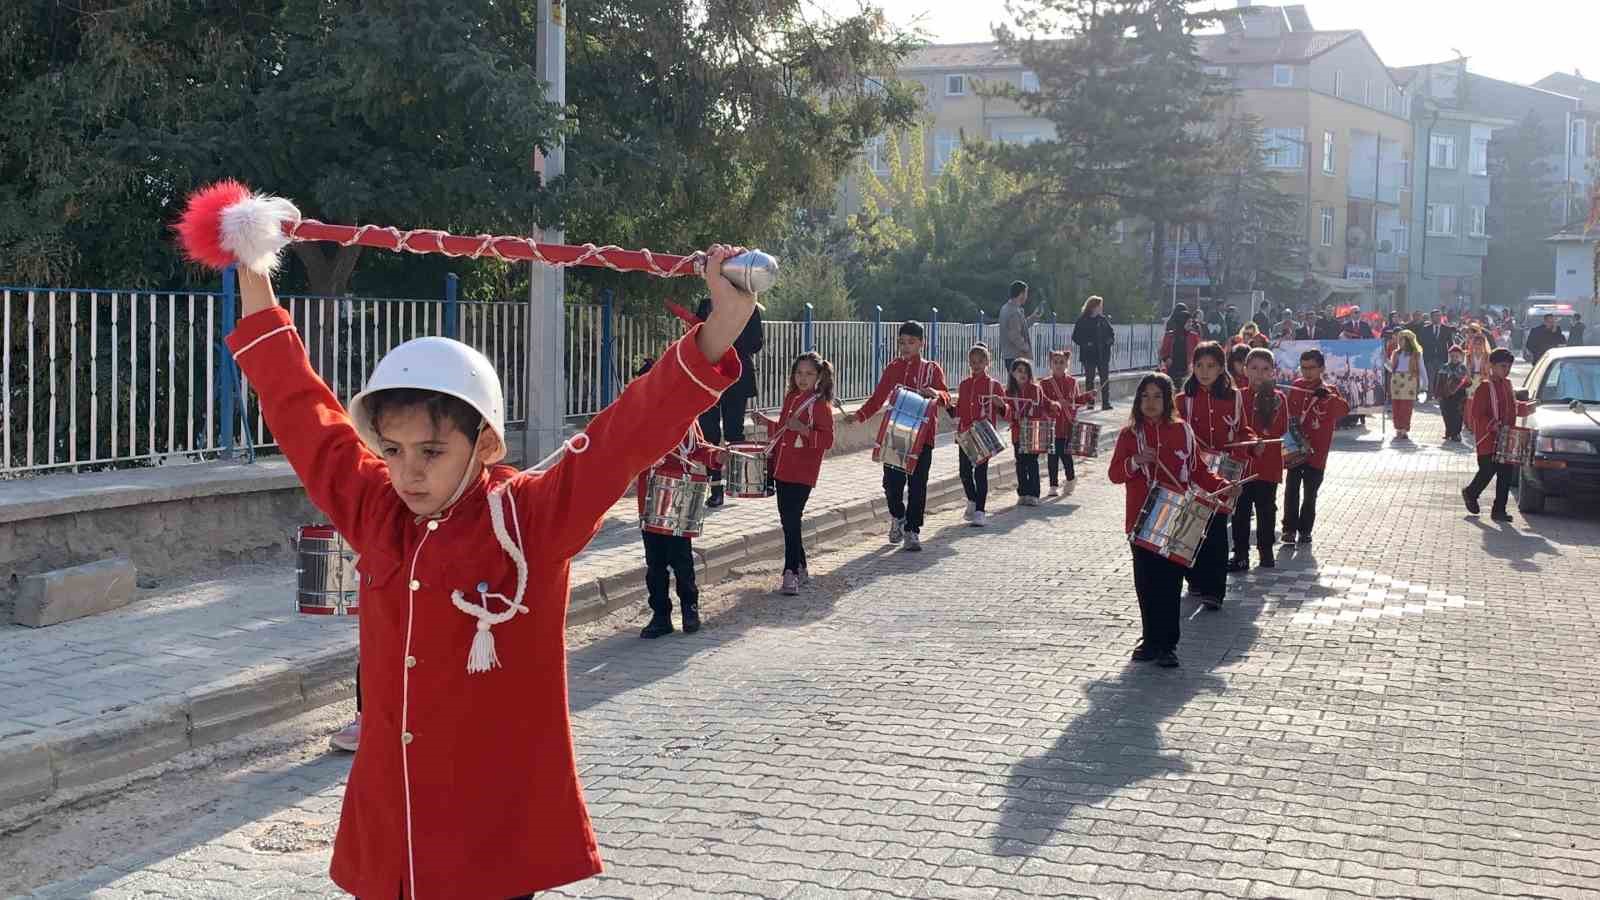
{"points": [[689, 318]]}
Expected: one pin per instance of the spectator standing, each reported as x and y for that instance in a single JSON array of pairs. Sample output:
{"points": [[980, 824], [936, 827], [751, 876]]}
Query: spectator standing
{"points": [[1544, 338], [1094, 336], [1015, 340], [723, 423]]}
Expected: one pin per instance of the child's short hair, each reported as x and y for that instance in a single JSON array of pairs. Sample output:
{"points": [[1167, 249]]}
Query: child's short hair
{"points": [[439, 407], [1261, 353], [1240, 354], [1063, 354], [981, 349], [1502, 357], [911, 327], [1314, 356]]}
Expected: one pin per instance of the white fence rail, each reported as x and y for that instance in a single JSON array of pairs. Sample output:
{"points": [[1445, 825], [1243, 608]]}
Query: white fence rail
{"points": [[100, 378]]}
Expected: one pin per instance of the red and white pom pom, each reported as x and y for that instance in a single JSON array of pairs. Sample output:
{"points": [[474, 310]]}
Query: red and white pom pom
{"points": [[226, 222]]}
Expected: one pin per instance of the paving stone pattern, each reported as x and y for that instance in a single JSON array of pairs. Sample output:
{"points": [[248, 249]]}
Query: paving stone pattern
{"points": [[1405, 708]]}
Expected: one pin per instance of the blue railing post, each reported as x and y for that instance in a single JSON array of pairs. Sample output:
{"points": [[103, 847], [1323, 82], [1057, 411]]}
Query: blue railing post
{"points": [[452, 325], [933, 335], [877, 341], [229, 371], [607, 348], [806, 338]]}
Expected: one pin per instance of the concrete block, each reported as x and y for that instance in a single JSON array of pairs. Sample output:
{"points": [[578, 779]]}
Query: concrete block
{"points": [[224, 711], [73, 593], [328, 678], [824, 524], [120, 743], [585, 593], [25, 772]]}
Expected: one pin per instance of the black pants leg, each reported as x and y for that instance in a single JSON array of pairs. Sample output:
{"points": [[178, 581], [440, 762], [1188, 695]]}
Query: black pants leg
{"points": [[1502, 473], [711, 427], [1027, 473], [1307, 480], [975, 482], [894, 491], [1239, 523], [1452, 410], [792, 499], [917, 491], [667, 556], [733, 410], [1258, 499], [1209, 574], [1158, 582], [1104, 365], [1061, 457]]}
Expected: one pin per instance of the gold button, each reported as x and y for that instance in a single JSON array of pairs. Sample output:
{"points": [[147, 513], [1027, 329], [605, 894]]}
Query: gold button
{"points": [[433, 525], [415, 584], [405, 738], [411, 662]]}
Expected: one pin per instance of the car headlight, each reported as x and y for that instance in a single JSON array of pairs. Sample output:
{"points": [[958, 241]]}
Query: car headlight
{"points": [[1564, 445]]}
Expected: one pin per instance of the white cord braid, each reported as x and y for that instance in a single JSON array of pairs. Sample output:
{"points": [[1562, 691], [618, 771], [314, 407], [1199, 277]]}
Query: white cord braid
{"points": [[482, 656]]}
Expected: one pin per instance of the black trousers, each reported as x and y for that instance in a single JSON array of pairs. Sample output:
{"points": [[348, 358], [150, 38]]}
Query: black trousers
{"points": [[1453, 410], [792, 499], [1502, 473], [1062, 458], [907, 495], [724, 422], [665, 557], [1258, 498], [1209, 574], [1102, 367], [975, 482], [1158, 582], [1300, 499], [1027, 472]]}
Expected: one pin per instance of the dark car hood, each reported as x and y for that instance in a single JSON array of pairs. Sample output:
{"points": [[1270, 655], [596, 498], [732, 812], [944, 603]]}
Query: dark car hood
{"points": [[1558, 421]]}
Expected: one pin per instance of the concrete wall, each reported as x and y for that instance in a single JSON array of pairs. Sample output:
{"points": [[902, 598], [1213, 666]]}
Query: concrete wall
{"points": [[1575, 271]]}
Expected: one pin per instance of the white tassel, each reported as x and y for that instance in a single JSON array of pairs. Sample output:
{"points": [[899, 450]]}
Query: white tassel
{"points": [[482, 658], [252, 230]]}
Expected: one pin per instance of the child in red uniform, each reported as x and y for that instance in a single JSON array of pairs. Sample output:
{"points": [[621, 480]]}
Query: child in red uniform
{"points": [[668, 556], [1215, 412], [1238, 354], [464, 575], [1063, 389], [1318, 408], [1494, 407], [907, 496], [803, 432], [977, 397], [1156, 448], [1027, 401], [1268, 412]]}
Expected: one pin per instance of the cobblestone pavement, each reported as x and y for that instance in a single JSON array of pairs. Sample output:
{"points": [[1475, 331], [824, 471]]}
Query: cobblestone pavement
{"points": [[1405, 708]]}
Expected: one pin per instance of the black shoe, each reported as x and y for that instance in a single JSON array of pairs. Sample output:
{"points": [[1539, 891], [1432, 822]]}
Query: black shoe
{"points": [[1288, 537], [1105, 406], [1141, 653], [1210, 602], [717, 498], [659, 625], [1267, 560], [1472, 502], [1239, 564], [1304, 539], [691, 619], [1500, 515], [1167, 659]]}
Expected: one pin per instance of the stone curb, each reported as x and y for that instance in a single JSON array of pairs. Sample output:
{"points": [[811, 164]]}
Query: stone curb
{"points": [[119, 744]]}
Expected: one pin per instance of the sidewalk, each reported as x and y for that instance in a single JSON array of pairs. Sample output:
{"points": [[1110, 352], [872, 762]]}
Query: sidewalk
{"points": [[98, 698]]}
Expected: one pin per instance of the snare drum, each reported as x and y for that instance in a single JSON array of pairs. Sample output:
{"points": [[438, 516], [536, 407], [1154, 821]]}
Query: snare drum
{"points": [[1085, 440], [1036, 436], [1513, 444], [1296, 449], [327, 581], [900, 432], [746, 470], [1404, 386], [675, 505], [1173, 525], [980, 443], [1225, 467]]}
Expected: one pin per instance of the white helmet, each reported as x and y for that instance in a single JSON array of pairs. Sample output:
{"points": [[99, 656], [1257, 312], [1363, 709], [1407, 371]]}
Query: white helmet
{"points": [[442, 365]]}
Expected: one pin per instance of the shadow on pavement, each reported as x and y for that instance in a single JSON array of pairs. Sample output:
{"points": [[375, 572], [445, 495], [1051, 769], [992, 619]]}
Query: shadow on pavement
{"points": [[1517, 548]]}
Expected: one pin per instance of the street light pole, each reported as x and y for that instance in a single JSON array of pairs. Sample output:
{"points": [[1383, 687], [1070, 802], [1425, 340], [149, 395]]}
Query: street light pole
{"points": [[545, 393]]}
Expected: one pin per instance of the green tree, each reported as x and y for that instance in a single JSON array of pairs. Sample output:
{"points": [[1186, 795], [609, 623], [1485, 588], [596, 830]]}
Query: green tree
{"points": [[1251, 235], [1524, 188]]}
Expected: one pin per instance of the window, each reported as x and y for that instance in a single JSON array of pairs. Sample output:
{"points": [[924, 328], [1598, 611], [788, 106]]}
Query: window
{"points": [[1479, 162], [1405, 105], [1388, 97], [1327, 152], [1405, 172], [1402, 241], [1338, 82], [945, 146], [1475, 225], [877, 159], [1283, 76], [955, 85], [1020, 137], [1030, 82], [1442, 152], [1367, 92], [1281, 147], [1119, 231], [1216, 71], [1327, 226], [1441, 218]]}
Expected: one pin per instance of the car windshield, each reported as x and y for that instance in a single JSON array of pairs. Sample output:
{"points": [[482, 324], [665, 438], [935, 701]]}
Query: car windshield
{"points": [[1577, 378]]}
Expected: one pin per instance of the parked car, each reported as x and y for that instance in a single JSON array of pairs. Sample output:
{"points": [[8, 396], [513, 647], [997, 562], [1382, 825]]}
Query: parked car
{"points": [[1566, 453]]}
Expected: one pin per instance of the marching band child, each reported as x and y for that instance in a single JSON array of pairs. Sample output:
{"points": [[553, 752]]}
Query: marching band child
{"points": [[1450, 383], [465, 570], [801, 434], [1027, 401], [1063, 389], [1215, 412], [1268, 410], [979, 396], [1317, 408], [1238, 355], [1156, 448], [1494, 407], [669, 556], [1405, 360], [907, 496]]}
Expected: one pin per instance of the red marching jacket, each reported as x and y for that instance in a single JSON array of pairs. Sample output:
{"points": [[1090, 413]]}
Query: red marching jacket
{"points": [[1177, 464], [1030, 403], [915, 373], [1063, 389], [692, 456], [1218, 423], [1494, 406], [1269, 465], [979, 397], [465, 785], [797, 458], [1190, 341], [1317, 417]]}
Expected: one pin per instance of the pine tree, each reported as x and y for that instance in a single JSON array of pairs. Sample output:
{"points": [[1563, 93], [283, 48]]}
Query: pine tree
{"points": [[1523, 185]]}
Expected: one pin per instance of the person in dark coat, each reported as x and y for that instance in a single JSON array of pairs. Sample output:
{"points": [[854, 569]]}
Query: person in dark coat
{"points": [[1544, 338], [1436, 338], [1094, 336], [724, 423]]}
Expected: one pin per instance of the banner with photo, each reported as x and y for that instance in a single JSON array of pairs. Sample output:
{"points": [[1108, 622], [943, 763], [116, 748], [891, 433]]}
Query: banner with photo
{"points": [[1355, 368]]}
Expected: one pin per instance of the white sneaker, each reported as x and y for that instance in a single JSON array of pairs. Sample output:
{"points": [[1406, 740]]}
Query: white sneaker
{"points": [[1054, 491], [348, 738], [913, 540], [897, 531], [1027, 501], [1068, 488], [791, 584], [971, 508], [979, 518]]}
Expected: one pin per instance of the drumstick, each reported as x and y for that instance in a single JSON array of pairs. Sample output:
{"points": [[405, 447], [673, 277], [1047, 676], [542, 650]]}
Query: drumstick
{"points": [[1276, 440], [1228, 486]]}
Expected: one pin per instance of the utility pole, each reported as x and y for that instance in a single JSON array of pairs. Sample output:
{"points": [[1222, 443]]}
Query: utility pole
{"points": [[546, 377]]}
